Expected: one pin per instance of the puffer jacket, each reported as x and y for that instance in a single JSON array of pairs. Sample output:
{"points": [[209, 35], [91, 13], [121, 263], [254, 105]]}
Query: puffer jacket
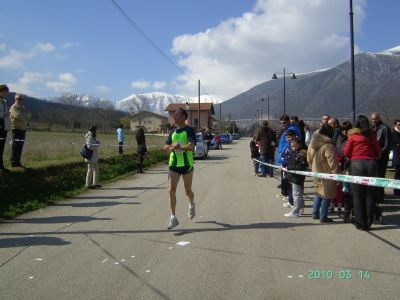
{"points": [[298, 162], [284, 144], [322, 157], [92, 144], [358, 146]]}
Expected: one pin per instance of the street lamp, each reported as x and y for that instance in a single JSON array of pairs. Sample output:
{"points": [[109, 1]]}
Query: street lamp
{"points": [[284, 86], [353, 80]]}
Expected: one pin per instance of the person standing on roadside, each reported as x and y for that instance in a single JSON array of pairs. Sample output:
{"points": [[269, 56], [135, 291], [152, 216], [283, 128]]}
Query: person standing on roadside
{"points": [[180, 146], [363, 150], [254, 154], [322, 158], [121, 139], [267, 141], [20, 118], [92, 175], [396, 153], [141, 148], [5, 123], [384, 136], [284, 145]]}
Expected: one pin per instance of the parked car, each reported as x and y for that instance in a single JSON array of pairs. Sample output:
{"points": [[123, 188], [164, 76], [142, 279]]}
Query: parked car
{"points": [[201, 148], [225, 138], [236, 135]]}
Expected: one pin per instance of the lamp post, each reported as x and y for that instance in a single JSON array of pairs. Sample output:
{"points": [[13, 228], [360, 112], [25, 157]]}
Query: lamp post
{"points": [[353, 79], [284, 86], [268, 107]]}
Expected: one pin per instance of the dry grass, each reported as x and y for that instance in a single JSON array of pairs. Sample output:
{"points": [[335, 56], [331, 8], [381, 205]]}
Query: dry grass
{"points": [[43, 149]]}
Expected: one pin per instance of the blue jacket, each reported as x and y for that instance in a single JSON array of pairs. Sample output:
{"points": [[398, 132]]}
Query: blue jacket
{"points": [[121, 135], [283, 143]]}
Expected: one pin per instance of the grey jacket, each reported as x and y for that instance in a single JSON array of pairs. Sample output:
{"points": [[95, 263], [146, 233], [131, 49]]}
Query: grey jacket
{"points": [[5, 122]]}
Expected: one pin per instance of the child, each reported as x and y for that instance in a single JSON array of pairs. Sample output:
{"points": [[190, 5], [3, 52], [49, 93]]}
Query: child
{"points": [[298, 162], [289, 135], [255, 154]]}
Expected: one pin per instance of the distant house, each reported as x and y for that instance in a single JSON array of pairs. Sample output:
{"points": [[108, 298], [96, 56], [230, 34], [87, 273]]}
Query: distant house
{"points": [[206, 113], [150, 121]]}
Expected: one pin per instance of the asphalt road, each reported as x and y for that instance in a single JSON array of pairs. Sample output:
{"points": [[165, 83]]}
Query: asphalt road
{"points": [[112, 243]]}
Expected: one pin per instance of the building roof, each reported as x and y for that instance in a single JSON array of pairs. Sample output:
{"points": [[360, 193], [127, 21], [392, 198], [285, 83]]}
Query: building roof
{"points": [[145, 113], [192, 106]]}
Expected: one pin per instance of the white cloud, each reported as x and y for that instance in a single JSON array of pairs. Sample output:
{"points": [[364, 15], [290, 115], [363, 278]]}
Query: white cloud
{"points": [[67, 45], [103, 89], [158, 85], [16, 58], [302, 35], [3, 47], [65, 84], [144, 84], [140, 84], [44, 47], [25, 83]]}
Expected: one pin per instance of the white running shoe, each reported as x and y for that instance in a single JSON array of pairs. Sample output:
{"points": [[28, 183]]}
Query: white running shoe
{"points": [[173, 222], [192, 211], [287, 205], [290, 215]]}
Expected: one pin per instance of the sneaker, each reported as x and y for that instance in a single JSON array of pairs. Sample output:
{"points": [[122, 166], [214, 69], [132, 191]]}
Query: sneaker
{"points": [[326, 220], [315, 217], [290, 215], [192, 211], [261, 175], [287, 205], [98, 186], [173, 222]]}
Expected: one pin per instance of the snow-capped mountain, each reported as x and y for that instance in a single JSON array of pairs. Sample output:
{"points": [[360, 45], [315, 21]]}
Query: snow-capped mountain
{"points": [[82, 100], [156, 102]]}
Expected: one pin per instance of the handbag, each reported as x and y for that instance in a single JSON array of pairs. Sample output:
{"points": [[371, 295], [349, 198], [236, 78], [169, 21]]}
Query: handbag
{"points": [[86, 152]]}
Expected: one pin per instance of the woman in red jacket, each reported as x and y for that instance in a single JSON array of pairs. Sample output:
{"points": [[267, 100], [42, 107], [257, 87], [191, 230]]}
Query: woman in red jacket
{"points": [[363, 150]]}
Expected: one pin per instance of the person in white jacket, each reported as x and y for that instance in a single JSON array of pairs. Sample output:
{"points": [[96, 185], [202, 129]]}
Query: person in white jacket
{"points": [[92, 175]]}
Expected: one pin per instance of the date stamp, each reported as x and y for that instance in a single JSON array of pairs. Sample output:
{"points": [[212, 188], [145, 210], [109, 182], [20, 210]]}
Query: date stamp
{"points": [[345, 274]]}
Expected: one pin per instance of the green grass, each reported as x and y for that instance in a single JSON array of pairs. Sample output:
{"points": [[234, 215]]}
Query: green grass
{"points": [[44, 149], [56, 169], [35, 188]]}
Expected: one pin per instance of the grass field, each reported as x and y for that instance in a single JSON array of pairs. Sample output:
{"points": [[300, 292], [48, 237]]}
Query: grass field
{"points": [[44, 149]]}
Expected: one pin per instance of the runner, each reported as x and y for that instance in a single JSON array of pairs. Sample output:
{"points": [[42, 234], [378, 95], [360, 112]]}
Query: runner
{"points": [[180, 145]]}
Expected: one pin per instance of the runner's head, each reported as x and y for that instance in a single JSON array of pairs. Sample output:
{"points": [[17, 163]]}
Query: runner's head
{"points": [[180, 117]]}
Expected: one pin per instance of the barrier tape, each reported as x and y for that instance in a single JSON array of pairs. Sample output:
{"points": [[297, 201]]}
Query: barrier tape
{"points": [[107, 145], [370, 181]]}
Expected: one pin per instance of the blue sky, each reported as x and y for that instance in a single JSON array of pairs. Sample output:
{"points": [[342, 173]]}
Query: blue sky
{"points": [[49, 47]]}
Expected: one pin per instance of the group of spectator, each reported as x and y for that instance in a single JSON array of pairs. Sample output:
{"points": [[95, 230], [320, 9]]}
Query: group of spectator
{"points": [[334, 148], [16, 119]]}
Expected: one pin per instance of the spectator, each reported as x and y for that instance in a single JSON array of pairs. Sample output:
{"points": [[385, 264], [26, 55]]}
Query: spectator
{"points": [[396, 153], [298, 162], [363, 150], [321, 156], [300, 125], [121, 139], [255, 154], [325, 118], [5, 123], [283, 145], [218, 141], [334, 123], [141, 148], [92, 175], [208, 138], [267, 141], [384, 136], [20, 117], [290, 135]]}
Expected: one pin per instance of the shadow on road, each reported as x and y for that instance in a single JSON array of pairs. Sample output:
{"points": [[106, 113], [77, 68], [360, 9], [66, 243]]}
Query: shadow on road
{"points": [[135, 188], [95, 204], [61, 219], [32, 241], [102, 197], [212, 157]]}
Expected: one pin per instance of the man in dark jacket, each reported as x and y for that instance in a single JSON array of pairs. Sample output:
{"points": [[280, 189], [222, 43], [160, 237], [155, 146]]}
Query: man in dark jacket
{"points": [[266, 138], [4, 122], [384, 136], [396, 152]]}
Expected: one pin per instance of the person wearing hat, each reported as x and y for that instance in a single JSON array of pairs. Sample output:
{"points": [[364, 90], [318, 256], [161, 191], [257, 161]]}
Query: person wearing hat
{"points": [[4, 122], [266, 138], [20, 118]]}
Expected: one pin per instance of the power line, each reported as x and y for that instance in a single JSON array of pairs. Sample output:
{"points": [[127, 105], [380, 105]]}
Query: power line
{"points": [[153, 44]]}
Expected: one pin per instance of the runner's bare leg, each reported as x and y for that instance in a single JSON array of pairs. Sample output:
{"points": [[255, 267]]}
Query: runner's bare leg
{"points": [[187, 181], [173, 179]]}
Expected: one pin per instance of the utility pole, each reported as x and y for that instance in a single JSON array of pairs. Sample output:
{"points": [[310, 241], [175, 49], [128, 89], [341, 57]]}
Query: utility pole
{"points": [[268, 107], [198, 113], [220, 117], [353, 77]]}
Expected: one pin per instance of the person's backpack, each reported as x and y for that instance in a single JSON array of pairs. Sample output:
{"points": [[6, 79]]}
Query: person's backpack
{"points": [[86, 152]]}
